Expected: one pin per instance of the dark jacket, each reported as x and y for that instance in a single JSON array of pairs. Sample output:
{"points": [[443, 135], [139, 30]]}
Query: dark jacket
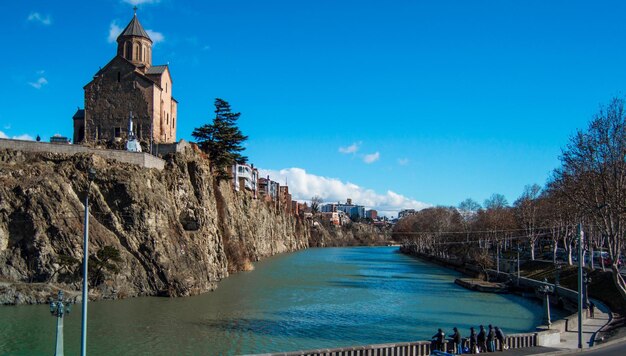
{"points": [[439, 336], [481, 335], [456, 337], [490, 335], [499, 334], [473, 338]]}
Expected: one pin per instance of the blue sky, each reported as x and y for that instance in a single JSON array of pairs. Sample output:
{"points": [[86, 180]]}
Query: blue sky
{"points": [[395, 104]]}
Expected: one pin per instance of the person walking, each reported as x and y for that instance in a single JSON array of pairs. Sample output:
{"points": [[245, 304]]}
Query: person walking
{"points": [[501, 338], [592, 308], [438, 339], [482, 338], [458, 341], [491, 339], [473, 341]]}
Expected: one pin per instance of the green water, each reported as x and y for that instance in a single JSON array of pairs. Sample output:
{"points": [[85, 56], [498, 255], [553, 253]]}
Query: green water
{"points": [[309, 299]]}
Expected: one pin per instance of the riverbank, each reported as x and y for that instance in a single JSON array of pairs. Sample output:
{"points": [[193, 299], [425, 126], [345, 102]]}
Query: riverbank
{"points": [[532, 276]]}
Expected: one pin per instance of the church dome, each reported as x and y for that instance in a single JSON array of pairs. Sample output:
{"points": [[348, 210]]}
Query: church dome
{"points": [[134, 44]]}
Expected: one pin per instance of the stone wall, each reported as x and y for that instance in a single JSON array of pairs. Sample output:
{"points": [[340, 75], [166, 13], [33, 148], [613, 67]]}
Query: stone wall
{"points": [[140, 159], [111, 96]]}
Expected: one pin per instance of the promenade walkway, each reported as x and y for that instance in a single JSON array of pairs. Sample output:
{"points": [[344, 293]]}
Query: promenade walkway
{"points": [[569, 339]]}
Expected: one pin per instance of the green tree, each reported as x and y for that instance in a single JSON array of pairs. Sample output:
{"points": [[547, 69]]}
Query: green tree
{"points": [[105, 260], [222, 140]]}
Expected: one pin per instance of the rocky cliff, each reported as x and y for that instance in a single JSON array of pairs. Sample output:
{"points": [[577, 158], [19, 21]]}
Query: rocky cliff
{"points": [[178, 231], [324, 234]]}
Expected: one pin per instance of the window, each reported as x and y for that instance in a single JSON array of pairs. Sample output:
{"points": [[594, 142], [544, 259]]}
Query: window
{"points": [[117, 132], [128, 50], [136, 53], [138, 131], [119, 75]]}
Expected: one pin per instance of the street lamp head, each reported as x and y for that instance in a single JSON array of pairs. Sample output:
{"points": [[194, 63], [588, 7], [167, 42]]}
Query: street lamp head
{"points": [[91, 174]]}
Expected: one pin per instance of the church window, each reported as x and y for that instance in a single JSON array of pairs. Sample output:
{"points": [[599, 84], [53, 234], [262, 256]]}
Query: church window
{"points": [[128, 50], [138, 131], [173, 121], [166, 87], [136, 52], [168, 119], [119, 75], [117, 132], [141, 53]]}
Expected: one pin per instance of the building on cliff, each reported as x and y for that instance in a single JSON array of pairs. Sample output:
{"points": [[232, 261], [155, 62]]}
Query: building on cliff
{"points": [[129, 83]]}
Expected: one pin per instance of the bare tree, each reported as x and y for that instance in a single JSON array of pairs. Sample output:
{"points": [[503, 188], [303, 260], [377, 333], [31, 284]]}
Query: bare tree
{"points": [[316, 204], [526, 212], [594, 173]]}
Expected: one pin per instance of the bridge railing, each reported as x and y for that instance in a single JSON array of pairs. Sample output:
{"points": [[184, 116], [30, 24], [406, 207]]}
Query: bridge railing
{"points": [[418, 348]]}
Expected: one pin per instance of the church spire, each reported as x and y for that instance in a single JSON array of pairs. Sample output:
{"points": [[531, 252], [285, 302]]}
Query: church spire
{"points": [[134, 44]]}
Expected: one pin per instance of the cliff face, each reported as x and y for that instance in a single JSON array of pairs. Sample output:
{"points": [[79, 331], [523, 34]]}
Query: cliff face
{"points": [[354, 234], [177, 230]]}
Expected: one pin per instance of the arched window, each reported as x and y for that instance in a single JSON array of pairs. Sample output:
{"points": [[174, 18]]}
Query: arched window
{"points": [[128, 50], [136, 52], [173, 121], [141, 52]]}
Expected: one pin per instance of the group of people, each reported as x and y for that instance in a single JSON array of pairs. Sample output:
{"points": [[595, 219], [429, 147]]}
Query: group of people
{"points": [[483, 341]]}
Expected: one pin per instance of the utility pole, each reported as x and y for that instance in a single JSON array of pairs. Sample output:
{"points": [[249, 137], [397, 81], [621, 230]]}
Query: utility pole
{"points": [[91, 174], [518, 274], [580, 285]]}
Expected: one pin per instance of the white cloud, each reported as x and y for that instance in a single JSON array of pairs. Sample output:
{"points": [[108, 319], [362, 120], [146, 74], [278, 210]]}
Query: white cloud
{"points": [[155, 36], [39, 83], [25, 137], [371, 158], [303, 186], [114, 31], [139, 2], [44, 20], [353, 148], [403, 161]]}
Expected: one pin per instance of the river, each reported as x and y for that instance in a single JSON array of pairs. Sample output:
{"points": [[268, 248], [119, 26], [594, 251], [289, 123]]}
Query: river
{"points": [[309, 299]]}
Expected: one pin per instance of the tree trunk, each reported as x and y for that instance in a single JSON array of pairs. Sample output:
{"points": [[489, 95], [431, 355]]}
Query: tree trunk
{"points": [[618, 280]]}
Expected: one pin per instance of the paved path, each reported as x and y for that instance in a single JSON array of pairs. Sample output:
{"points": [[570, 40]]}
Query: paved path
{"points": [[569, 339]]}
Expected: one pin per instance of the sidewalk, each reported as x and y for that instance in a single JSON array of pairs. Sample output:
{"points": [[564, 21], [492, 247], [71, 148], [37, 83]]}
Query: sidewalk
{"points": [[569, 339]]}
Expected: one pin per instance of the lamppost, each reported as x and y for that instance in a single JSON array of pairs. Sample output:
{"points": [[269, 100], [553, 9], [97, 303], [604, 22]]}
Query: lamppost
{"points": [[58, 308], [557, 276], [587, 282], [91, 174], [546, 290]]}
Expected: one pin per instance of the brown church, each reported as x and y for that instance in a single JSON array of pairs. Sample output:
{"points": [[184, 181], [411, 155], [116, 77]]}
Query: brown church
{"points": [[128, 83]]}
